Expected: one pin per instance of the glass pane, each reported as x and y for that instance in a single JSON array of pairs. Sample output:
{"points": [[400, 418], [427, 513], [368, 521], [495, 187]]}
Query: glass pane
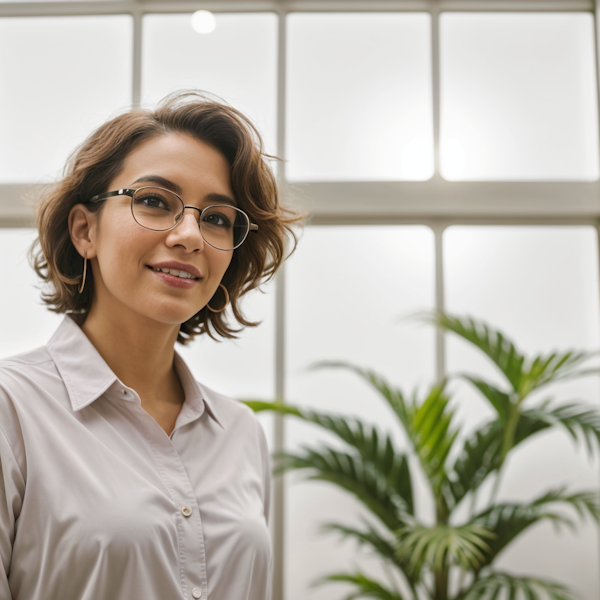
{"points": [[348, 292], [359, 101], [61, 78], [539, 285], [242, 368], [518, 97], [25, 323], [237, 61]]}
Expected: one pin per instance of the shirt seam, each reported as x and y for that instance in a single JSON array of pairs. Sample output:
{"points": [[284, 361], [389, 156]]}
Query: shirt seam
{"points": [[9, 362], [12, 453]]}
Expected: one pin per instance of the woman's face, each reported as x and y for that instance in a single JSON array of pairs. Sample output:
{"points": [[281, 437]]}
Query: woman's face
{"points": [[125, 252]]}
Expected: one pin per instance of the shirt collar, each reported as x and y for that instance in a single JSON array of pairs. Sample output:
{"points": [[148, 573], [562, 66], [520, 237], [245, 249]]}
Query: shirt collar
{"points": [[87, 376]]}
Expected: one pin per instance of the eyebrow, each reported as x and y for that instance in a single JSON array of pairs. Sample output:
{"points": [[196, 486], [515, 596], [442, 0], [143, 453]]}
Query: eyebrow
{"points": [[166, 183]]}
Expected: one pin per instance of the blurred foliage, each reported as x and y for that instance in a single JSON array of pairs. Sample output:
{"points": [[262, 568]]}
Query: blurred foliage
{"points": [[455, 467]]}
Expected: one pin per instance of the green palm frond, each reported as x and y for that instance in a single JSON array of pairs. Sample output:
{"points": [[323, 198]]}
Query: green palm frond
{"points": [[545, 369], [523, 375], [375, 448], [479, 457], [499, 400], [350, 473], [428, 425], [382, 545], [441, 545], [434, 434], [402, 408], [367, 587], [497, 585], [579, 421], [494, 344], [481, 454], [508, 520]]}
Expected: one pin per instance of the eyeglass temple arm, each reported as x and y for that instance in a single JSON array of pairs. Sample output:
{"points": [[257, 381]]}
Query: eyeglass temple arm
{"points": [[123, 192], [253, 227]]}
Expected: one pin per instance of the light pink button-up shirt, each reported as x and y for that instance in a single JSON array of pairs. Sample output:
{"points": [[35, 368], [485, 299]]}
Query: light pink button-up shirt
{"points": [[97, 502]]}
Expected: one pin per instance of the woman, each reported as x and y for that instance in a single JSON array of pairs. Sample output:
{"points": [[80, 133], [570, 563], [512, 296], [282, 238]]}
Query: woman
{"points": [[123, 477]]}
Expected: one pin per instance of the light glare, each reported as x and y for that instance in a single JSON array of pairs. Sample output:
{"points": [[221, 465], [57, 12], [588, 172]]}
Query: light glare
{"points": [[203, 21]]}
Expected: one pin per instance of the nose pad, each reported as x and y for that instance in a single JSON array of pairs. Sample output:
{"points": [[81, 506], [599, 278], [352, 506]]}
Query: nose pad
{"points": [[180, 218]]}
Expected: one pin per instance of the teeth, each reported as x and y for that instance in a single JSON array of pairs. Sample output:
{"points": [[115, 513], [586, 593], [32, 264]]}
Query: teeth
{"points": [[182, 274]]}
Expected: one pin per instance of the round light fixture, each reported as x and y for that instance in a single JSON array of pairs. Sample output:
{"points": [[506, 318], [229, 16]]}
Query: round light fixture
{"points": [[203, 21]]}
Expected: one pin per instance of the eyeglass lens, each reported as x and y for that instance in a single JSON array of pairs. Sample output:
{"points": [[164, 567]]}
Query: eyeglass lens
{"points": [[223, 227]]}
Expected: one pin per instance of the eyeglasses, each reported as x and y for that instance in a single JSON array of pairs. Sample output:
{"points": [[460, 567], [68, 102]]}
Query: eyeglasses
{"points": [[222, 226]]}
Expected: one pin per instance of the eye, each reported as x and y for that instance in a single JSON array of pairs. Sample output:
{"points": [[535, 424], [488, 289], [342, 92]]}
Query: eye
{"points": [[217, 219], [153, 201]]}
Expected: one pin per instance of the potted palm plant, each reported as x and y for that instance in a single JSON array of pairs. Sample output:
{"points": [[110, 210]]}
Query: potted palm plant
{"points": [[381, 475]]}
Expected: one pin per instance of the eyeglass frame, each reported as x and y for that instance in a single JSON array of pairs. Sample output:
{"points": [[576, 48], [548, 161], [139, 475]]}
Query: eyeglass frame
{"points": [[131, 192]]}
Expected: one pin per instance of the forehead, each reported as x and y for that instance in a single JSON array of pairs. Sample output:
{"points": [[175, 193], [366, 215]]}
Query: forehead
{"points": [[189, 162]]}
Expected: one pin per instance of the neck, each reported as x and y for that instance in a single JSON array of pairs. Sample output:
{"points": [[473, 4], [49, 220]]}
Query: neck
{"points": [[139, 351]]}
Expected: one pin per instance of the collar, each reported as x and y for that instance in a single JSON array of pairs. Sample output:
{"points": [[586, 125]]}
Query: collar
{"points": [[87, 376]]}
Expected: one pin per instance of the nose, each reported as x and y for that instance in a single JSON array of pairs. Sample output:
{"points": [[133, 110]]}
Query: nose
{"points": [[187, 231]]}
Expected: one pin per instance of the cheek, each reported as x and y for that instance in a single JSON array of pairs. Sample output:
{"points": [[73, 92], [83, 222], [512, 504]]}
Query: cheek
{"points": [[220, 261], [121, 255]]}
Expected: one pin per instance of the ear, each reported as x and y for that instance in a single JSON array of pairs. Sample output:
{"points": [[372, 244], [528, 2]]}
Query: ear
{"points": [[82, 228]]}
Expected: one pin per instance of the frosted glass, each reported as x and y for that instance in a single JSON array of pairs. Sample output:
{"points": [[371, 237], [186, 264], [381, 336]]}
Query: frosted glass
{"points": [[518, 97], [359, 104], [25, 323], [242, 368], [349, 291], [237, 61], [539, 285], [61, 77]]}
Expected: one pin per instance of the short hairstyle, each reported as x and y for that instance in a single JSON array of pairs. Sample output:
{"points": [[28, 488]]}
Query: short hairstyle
{"points": [[99, 159]]}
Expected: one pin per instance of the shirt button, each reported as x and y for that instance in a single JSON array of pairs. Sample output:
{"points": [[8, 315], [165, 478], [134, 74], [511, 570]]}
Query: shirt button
{"points": [[196, 592], [186, 511]]}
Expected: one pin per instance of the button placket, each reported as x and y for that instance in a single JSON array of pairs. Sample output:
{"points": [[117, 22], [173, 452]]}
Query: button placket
{"points": [[192, 549]]}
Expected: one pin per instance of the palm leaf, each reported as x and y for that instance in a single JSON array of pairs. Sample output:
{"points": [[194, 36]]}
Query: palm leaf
{"points": [[546, 369], [479, 457], [351, 474], [403, 409], [499, 400], [428, 426], [443, 545], [371, 538], [523, 375], [578, 420], [493, 343], [493, 585], [367, 588], [374, 448], [508, 520]]}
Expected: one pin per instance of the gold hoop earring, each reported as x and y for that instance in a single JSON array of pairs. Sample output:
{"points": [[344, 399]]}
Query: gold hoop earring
{"points": [[226, 301], [84, 271]]}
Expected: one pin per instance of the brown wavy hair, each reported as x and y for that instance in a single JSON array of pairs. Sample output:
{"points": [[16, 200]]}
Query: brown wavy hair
{"points": [[99, 159]]}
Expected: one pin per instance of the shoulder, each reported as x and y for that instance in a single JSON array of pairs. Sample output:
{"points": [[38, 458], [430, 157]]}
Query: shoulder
{"points": [[228, 411], [25, 368]]}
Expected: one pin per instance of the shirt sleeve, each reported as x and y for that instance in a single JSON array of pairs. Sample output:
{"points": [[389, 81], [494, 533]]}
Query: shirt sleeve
{"points": [[266, 469], [11, 484]]}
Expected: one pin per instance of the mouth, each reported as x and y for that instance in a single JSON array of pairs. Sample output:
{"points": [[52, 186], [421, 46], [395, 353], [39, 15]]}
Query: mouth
{"points": [[175, 278], [174, 273]]}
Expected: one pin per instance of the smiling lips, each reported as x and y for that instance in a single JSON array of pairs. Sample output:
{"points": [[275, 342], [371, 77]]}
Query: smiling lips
{"points": [[177, 269], [176, 274], [182, 274]]}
